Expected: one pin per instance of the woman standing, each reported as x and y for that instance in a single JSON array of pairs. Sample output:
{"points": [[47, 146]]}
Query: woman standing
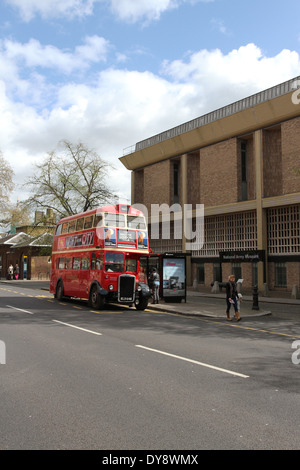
{"points": [[17, 271], [232, 297], [155, 283]]}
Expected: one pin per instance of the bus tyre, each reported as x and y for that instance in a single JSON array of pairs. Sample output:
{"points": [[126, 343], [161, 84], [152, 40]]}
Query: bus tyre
{"points": [[142, 304], [59, 290], [96, 299]]}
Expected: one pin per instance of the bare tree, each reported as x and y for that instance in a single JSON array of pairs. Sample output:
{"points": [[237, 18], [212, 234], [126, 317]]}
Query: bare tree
{"points": [[6, 186], [70, 182]]}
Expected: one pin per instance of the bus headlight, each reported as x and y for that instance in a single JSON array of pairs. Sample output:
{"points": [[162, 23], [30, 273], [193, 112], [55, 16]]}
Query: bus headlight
{"points": [[110, 287]]}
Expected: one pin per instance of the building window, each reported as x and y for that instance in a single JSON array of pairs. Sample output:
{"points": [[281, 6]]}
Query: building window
{"points": [[176, 183], [284, 230], [244, 171], [200, 273], [229, 232], [217, 272], [280, 275], [237, 271]]}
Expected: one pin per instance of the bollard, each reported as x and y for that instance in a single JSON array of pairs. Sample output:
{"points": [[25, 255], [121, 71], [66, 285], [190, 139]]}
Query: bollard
{"points": [[255, 298]]}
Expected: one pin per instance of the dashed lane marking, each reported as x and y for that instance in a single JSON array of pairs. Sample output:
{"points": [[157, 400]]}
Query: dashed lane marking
{"points": [[20, 309], [78, 328], [227, 371]]}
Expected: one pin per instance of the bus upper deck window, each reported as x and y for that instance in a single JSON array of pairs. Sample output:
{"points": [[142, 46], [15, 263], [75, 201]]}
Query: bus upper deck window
{"points": [[98, 220], [58, 230], [65, 227], [136, 222], [114, 220], [88, 221], [72, 225], [80, 223]]}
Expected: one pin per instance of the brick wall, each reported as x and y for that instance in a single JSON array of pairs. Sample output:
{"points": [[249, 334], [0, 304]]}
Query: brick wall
{"points": [[193, 177], [290, 155], [272, 163], [251, 169], [219, 171], [157, 184], [40, 268], [208, 274], [138, 187], [292, 274]]}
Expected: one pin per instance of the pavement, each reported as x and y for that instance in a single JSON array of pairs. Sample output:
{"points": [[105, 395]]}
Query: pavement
{"points": [[197, 302], [196, 306]]}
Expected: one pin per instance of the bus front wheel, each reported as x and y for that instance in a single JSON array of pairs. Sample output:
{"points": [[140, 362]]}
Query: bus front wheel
{"points": [[59, 291], [96, 299], [142, 304]]}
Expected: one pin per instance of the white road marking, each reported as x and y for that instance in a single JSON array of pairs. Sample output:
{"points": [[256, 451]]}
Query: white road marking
{"points": [[194, 362], [78, 328], [20, 309]]}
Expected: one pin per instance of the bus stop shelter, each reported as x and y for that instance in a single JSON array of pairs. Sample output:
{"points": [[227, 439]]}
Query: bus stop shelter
{"points": [[172, 271]]}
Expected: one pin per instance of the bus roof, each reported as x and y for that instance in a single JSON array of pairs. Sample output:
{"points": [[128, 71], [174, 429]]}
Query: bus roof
{"points": [[114, 209]]}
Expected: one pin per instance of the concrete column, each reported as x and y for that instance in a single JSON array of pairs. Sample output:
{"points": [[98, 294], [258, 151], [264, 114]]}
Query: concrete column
{"points": [[260, 212], [132, 187], [184, 200]]}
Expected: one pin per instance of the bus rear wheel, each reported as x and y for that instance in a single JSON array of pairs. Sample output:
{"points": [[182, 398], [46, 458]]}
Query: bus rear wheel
{"points": [[96, 299]]}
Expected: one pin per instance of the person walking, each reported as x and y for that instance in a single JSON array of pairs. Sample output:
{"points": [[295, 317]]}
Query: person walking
{"points": [[142, 276], [155, 283], [10, 272], [232, 298], [17, 271]]}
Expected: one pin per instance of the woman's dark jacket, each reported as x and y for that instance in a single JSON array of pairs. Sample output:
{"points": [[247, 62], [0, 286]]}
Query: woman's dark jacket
{"points": [[231, 291]]}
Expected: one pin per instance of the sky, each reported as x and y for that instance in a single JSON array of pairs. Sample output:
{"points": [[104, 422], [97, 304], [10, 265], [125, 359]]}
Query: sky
{"points": [[110, 73]]}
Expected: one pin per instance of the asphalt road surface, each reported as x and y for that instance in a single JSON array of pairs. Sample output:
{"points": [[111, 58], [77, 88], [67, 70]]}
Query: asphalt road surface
{"points": [[74, 378]]}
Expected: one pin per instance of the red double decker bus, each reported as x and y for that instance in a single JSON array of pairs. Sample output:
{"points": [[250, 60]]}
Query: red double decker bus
{"points": [[97, 255]]}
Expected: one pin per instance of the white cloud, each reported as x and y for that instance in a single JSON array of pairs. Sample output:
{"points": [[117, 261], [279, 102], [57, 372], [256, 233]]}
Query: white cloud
{"points": [[52, 8], [132, 10], [123, 106], [34, 54], [218, 79], [127, 10], [220, 26]]}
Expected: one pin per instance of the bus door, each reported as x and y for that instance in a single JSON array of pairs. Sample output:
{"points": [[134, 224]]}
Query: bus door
{"points": [[84, 278], [66, 273], [96, 266], [73, 277]]}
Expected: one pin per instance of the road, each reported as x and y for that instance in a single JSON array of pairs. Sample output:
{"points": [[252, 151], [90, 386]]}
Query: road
{"points": [[120, 379]]}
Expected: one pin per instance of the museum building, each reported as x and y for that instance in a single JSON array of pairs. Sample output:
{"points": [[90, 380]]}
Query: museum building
{"points": [[242, 163]]}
